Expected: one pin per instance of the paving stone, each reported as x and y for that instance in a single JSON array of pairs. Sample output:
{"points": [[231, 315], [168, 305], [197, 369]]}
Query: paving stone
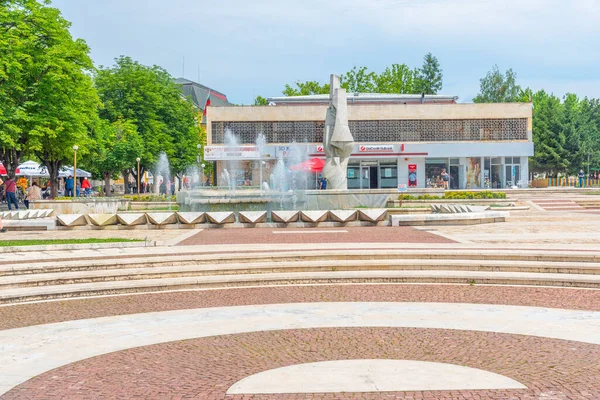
{"points": [[372, 214], [71, 220], [221, 217], [103, 219], [252, 217], [191, 217], [285, 217], [314, 216], [162, 218], [343, 215], [132, 219]]}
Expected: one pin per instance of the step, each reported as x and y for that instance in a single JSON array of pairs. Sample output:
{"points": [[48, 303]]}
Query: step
{"points": [[142, 261], [17, 295], [104, 275]]}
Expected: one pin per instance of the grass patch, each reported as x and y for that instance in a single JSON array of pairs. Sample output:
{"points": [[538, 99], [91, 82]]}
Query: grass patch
{"points": [[41, 242]]}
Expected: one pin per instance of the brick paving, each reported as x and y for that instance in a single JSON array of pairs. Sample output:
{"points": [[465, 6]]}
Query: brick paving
{"points": [[21, 315], [362, 234], [205, 368]]}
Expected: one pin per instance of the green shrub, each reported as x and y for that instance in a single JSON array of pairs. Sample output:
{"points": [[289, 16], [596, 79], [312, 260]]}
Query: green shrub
{"points": [[149, 197], [455, 196]]}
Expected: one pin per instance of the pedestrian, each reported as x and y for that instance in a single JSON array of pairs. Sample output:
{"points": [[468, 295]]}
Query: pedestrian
{"points": [[33, 193], [445, 178], [10, 187], [580, 176], [323, 184], [87, 187], [69, 185]]}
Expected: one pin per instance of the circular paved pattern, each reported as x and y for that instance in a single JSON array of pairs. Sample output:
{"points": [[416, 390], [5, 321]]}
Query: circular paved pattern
{"points": [[22, 315], [205, 368]]}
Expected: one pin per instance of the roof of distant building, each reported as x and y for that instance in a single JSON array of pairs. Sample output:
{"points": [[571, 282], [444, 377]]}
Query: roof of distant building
{"points": [[365, 98], [199, 94]]}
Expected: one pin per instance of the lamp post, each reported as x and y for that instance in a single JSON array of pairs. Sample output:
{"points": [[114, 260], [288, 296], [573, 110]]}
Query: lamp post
{"points": [[199, 159], [138, 176], [202, 165], [262, 163], [75, 148]]}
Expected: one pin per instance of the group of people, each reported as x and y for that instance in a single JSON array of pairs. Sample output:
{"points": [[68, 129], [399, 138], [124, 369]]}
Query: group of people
{"points": [[34, 192], [70, 187]]}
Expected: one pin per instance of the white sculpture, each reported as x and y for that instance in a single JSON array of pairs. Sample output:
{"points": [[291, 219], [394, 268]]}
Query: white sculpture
{"points": [[338, 142]]}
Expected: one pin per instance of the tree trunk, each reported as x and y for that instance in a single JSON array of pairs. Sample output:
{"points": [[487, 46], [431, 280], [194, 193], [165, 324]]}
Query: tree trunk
{"points": [[106, 176], [53, 168], [180, 179], [11, 159], [125, 174]]}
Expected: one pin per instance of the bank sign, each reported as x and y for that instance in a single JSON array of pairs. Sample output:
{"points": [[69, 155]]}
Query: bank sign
{"points": [[216, 153], [376, 148]]}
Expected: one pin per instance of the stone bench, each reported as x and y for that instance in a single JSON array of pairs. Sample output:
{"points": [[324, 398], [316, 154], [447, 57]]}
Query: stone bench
{"points": [[472, 218]]}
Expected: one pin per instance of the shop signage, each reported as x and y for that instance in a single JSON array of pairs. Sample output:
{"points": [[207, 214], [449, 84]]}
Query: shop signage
{"points": [[320, 149], [215, 153], [376, 148]]}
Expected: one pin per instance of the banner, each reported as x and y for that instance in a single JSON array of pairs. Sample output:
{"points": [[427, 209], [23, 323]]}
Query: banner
{"points": [[376, 148], [216, 153]]}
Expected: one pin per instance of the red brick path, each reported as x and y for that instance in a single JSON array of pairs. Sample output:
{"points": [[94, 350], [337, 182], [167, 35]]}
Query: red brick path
{"points": [[66, 310], [205, 368], [363, 234]]}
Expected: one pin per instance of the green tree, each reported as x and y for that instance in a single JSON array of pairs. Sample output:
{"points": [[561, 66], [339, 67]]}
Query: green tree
{"points": [[429, 77], [497, 87], [260, 101], [306, 88], [48, 103], [550, 155], [358, 80], [117, 145], [398, 78], [149, 98]]}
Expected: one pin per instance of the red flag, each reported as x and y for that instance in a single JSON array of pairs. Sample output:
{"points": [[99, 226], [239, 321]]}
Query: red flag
{"points": [[207, 103]]}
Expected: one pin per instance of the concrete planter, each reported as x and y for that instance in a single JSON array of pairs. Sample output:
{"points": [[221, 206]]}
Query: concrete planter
{"points": [[82, 206]]}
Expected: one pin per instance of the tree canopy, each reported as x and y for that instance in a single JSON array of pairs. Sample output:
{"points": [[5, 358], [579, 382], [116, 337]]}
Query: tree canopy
{"points": [[48, 100], [149, 99], [498, 87]]}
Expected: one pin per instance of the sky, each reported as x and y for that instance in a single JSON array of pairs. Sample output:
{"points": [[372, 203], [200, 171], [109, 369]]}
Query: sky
{"points": [[248, 48]]}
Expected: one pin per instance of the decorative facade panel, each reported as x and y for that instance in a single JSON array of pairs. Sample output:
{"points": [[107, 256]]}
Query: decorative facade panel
{"points": [[441, 130]]}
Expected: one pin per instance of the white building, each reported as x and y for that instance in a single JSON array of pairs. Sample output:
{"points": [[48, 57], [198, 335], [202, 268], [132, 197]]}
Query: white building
{"points": [[480, 145]]}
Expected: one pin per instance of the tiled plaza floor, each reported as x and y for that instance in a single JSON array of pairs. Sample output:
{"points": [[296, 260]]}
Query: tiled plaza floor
{"points": [[205, 368]]}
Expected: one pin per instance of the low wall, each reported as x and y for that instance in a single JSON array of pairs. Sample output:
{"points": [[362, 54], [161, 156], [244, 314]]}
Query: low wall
{"points": [[81, 206]]}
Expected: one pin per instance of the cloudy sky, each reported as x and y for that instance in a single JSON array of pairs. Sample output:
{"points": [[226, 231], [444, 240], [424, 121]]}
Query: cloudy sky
{"points": [[248, 48]]}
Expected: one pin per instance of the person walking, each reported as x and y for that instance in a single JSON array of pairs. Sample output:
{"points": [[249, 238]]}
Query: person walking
{"points": [[10, 187], [69, 185], [445, 178], [86, 186], [580, 177], [33, 193]]}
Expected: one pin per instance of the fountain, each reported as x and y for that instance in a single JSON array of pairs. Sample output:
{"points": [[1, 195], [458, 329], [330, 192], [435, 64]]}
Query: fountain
{"points": [[285, 189]]}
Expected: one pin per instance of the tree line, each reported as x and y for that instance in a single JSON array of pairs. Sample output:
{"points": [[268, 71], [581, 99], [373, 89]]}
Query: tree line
{"points": [[52, 97]]}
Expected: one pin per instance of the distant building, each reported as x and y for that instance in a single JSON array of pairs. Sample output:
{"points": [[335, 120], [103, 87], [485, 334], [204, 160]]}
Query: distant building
{"points": [[400, 139], [199, 94]]}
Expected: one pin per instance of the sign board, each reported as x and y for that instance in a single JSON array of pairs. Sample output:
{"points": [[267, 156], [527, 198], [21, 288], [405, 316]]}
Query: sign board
{"points": [[215, 153], [402, 187], [320, 149], [376, 148]]}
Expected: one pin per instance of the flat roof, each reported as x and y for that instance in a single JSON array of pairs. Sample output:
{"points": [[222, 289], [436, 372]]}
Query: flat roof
{"points": [[367, 98]]}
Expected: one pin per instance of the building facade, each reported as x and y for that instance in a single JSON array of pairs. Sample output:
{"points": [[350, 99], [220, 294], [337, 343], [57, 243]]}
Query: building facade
{"points": [[401, 141]]}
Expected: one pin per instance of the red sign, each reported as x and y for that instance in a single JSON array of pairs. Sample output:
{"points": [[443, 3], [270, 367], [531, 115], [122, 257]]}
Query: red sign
{"points": [[412, 167], [319, 149]]}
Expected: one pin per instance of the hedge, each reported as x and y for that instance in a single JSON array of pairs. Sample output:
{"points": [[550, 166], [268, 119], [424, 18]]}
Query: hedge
{"points": [[456, 196]]}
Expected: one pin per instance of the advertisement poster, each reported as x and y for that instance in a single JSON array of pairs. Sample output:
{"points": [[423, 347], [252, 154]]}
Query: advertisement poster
{"points": [[473, 172]]}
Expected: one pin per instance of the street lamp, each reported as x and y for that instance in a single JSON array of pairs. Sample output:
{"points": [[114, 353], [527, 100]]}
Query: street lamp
{"points": [[75, 148], [202, 165], [138, 175], [199, 160]]}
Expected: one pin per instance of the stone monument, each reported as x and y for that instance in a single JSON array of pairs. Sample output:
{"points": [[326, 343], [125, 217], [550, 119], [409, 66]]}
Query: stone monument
{"points": [[338, 142]]}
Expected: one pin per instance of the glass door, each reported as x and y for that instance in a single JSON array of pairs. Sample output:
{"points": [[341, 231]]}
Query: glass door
{"points": [[365, 177]]}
